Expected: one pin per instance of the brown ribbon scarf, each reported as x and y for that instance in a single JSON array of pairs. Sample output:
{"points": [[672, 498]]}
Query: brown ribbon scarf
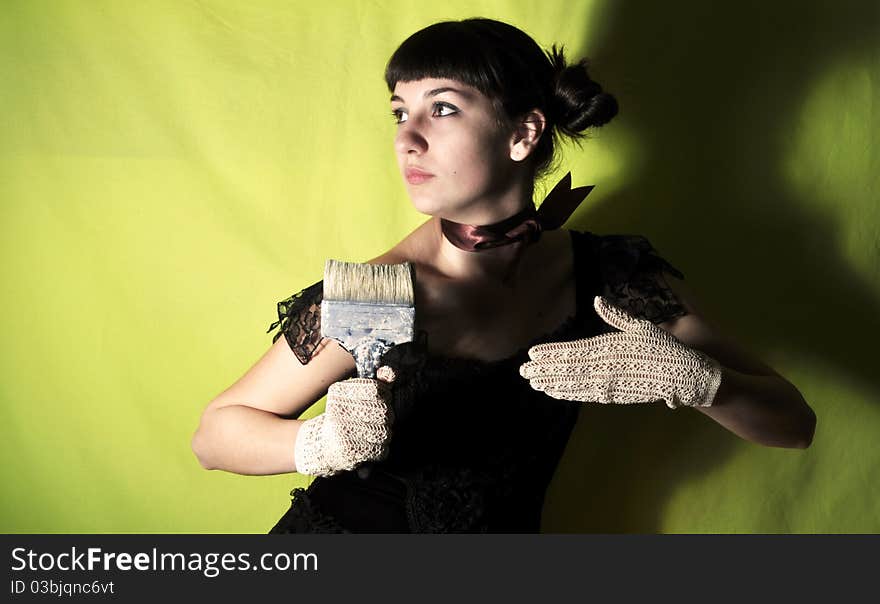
{"points": [[524, 227]]}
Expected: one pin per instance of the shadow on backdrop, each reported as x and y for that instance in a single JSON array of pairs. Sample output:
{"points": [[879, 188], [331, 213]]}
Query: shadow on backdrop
{"points": [[714, 93]]}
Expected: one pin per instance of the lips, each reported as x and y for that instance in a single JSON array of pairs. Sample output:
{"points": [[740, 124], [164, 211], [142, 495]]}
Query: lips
{"points": [[415, 175], [416, 172]]}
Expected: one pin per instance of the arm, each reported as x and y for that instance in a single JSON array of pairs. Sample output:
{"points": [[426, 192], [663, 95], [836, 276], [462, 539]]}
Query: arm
{"points": [[246, 440], [754, 401], [247, 429]]}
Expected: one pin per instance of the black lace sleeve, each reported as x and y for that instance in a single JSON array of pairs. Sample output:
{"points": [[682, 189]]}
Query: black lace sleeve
{"points": [[300, 319], [632, 272]]}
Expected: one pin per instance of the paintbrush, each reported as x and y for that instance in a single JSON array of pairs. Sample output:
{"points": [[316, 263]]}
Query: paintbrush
{"points": [[368, 309]]}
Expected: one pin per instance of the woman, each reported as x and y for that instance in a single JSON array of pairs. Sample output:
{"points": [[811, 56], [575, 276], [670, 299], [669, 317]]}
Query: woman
{"points": [[463, 428]]}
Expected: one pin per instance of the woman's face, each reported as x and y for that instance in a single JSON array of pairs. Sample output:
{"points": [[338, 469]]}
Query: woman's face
{"points": [[449, 130]]}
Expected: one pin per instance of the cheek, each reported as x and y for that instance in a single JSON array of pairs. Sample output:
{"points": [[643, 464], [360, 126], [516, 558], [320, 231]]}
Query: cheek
{"points": [[475, 156]]}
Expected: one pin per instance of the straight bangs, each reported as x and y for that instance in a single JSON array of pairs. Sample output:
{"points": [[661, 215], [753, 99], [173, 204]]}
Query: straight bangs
{"points": [[449, 50]]}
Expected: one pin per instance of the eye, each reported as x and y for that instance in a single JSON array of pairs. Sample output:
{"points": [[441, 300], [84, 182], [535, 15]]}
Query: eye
{"points": [[396, 114], [446, 106]]}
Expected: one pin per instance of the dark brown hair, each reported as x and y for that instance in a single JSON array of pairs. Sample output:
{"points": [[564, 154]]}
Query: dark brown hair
{"points": [[507, 65]]}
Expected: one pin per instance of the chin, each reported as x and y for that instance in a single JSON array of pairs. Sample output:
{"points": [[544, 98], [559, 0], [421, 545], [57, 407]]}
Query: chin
{"points": [[428, 205]]}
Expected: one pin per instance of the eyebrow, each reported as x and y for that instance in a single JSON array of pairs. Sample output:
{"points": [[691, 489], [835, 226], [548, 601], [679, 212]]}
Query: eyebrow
{"points": [[435, 92]]}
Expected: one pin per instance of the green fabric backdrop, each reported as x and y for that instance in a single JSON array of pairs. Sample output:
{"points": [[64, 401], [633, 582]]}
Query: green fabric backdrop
{"points": [[170, 170]]}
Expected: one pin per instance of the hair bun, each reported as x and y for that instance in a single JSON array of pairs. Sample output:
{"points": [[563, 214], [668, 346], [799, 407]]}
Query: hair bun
{"points": [[578, 101]]}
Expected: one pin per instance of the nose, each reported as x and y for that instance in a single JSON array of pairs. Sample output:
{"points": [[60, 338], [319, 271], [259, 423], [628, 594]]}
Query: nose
{"points": [[410, 139]]}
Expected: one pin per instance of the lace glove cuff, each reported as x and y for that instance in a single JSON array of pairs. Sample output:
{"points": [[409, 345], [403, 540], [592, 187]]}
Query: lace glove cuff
{"points": [[642, 363], [308, 452]]}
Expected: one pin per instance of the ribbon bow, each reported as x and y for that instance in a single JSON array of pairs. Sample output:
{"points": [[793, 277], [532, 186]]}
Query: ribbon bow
{"points": [[555, 210]]}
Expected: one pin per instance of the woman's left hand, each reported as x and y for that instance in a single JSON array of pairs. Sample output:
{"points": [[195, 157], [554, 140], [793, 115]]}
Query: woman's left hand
{"points": [[642, 363]]}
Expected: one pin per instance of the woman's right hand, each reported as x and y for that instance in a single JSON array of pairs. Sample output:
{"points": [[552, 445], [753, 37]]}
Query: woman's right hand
{"points": [[354, 428]]}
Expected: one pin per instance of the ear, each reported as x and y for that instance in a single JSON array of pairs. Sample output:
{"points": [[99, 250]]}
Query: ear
{"points": [[528, 129]]}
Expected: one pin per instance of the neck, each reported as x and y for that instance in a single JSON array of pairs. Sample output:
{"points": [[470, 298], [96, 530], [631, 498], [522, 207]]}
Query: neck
{"points": [[490, 265], [486, 253], [495, 255]]}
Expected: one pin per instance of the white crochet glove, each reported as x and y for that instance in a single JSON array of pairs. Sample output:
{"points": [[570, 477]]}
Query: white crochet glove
{"points": [[641, 363], [355, 427]]}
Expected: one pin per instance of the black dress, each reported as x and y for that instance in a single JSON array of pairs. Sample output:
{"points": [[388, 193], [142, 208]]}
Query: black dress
{"points": [[473, 446]]}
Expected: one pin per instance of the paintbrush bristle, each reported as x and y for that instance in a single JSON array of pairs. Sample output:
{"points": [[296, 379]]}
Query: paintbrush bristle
{"points": [[374, 283]]}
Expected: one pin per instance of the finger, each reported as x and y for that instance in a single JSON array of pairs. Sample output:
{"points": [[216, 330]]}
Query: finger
{"points": [[529, 369], [562, 369], [555, 349], [357, 432], [383, 453], [564, 350], [585, 348], [373, 411], [562, 396], [361, 389], [669, 397], [357, 388], [373, 433], [386, 374], [608, 392], [616, 316], [532, 370], [348, 455]]}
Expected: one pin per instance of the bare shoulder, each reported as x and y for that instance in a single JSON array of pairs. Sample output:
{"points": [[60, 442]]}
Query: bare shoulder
{"points": [[702, 333], [413, 248]]}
